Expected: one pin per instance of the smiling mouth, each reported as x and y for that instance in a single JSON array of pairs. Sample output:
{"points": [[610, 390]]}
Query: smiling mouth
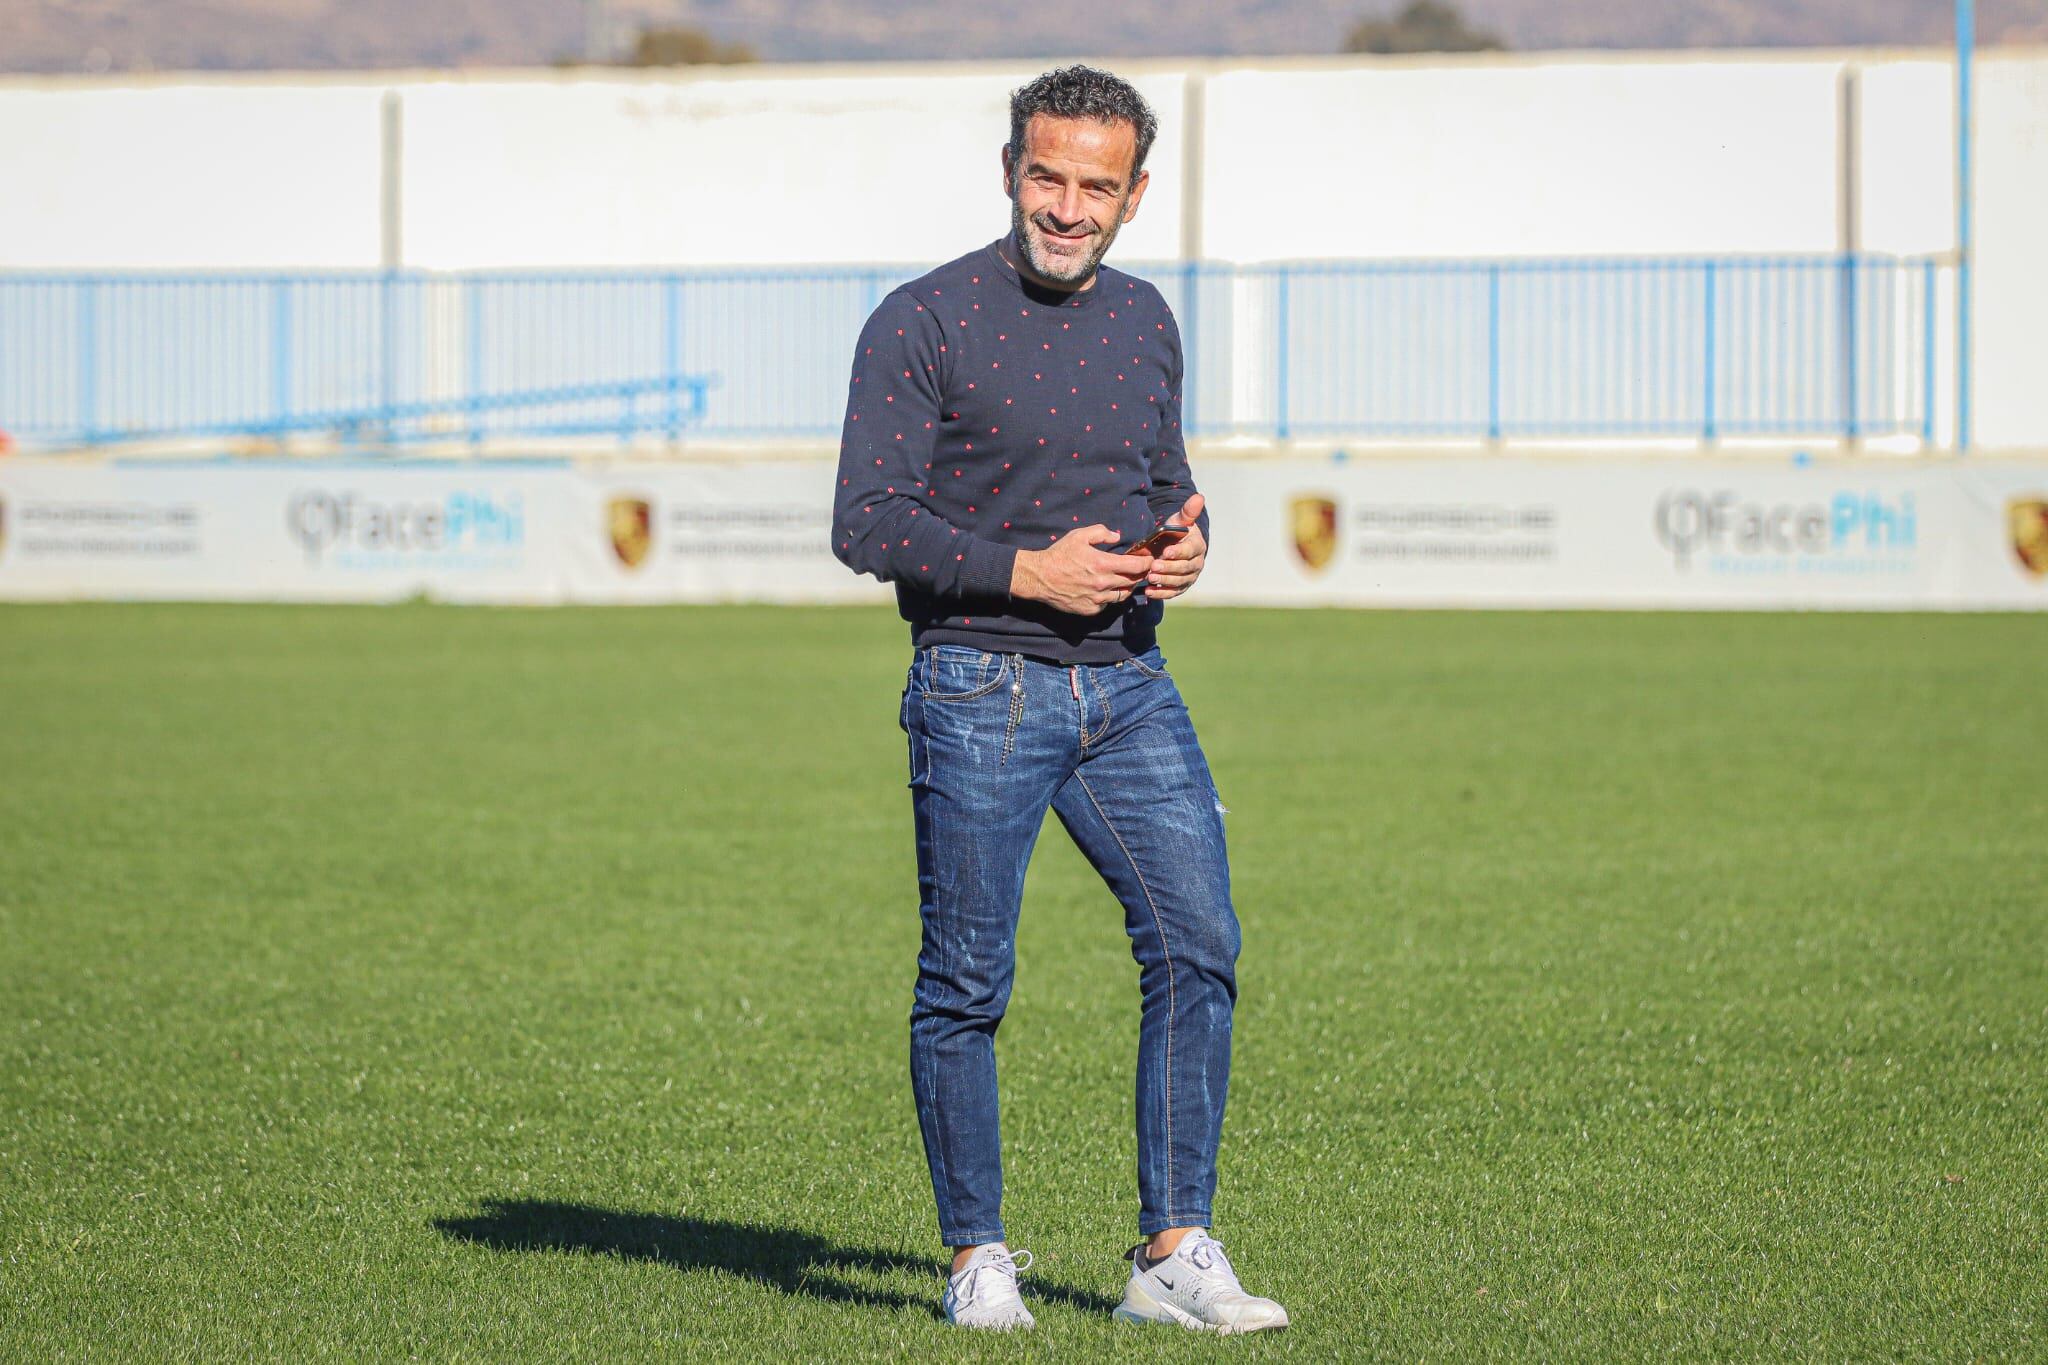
{"points": [[1068, 238]]}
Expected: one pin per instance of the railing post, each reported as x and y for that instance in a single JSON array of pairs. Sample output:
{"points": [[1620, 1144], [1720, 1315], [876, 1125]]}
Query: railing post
{"points": [[1280, 393], [672, 353], [281, 355], [1493, 422], [387, 368], [1712, 339], [1927, 280], [473, 289], [1851, 423], [1190, 297], [88, 360], [1966, 246]]}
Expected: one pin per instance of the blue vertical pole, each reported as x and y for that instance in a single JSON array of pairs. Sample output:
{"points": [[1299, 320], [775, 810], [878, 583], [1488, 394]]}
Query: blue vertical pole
{"points": [[1927, 352], [1280, 397], [1966, 47], [387, 380], [672, 351], [1928, 346], [1851, 336], [1712, 343], [1190, 300], [1493, 352], [474, 384], [281, 355], [88, 360]]}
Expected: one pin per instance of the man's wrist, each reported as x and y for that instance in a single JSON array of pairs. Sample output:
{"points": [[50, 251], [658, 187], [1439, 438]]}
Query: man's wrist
{"points": [[1024, 580]]}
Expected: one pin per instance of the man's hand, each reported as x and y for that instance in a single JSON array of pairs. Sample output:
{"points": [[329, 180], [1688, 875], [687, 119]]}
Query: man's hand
{"points": [[1181, 563], [1074, 576]]}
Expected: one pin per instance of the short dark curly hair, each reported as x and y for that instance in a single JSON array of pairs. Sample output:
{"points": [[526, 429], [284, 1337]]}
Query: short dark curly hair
{"points": [[1083, 92]]}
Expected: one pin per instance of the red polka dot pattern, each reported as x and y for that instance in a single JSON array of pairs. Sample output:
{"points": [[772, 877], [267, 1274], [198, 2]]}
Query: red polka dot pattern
{"points": [[912, 363]]}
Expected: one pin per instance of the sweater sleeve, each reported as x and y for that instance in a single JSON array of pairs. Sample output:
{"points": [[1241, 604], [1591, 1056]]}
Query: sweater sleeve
{"points": [[882, 520], [1173, 482]]}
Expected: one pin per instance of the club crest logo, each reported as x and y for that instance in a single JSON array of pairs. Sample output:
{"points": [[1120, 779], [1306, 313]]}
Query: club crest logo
{"points": [[2027, 519], [1313, 519], [631, 524]]}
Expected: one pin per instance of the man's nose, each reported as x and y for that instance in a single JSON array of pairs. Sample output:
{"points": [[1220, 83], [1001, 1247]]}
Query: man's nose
{"points": [[1068, 211]]}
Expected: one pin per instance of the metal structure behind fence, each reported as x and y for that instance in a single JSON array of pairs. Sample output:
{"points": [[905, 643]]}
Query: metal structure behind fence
{"points": [[1799, 347]]}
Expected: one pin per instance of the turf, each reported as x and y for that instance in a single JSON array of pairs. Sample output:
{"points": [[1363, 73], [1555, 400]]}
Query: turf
{"points": [[515, 985]]}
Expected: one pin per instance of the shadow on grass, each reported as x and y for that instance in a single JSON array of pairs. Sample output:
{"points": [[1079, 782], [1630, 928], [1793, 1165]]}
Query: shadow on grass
{"points": [[787, 1259]]}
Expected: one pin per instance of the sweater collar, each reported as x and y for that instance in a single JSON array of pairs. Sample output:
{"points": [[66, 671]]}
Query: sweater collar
{"points": [[1039, 294]]}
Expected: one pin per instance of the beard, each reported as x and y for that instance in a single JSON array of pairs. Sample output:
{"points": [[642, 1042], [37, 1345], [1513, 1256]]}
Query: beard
{"points": [[1064, 267]]}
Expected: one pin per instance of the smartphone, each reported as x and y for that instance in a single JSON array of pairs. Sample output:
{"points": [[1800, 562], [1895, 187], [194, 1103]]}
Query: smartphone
{"points": [[1152, 545], [1159, 540]]}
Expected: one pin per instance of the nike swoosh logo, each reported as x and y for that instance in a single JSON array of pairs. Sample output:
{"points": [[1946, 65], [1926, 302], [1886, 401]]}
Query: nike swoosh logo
{"points": [[1166, 1284]]}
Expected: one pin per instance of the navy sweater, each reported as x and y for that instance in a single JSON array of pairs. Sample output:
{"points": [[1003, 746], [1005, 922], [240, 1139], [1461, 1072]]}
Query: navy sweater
{"points": [[988, 415]]}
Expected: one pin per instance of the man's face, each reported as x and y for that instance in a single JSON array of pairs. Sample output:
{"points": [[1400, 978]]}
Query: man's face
{"points": [[1070, 190]]}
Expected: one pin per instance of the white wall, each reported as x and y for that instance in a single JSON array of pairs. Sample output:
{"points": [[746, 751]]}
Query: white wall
{"points": [[1558, 157], [2012, 254], [198, 175], [1906, 157], [631, 170]]}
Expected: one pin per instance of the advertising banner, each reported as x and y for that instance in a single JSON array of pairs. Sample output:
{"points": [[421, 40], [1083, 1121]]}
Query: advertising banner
{"points": [[278, 531], [649, 532], [1676, 532]]}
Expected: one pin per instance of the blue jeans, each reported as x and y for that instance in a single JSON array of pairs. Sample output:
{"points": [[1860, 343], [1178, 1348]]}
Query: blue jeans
{"points": [[995, 739]]}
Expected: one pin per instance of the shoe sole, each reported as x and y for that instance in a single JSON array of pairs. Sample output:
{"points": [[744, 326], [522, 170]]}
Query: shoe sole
{"points": [[1024, 1326], [1152, 1312]]}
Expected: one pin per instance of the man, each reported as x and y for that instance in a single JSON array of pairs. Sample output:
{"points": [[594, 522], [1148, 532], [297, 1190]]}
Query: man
{"points": [[1012, 434]]}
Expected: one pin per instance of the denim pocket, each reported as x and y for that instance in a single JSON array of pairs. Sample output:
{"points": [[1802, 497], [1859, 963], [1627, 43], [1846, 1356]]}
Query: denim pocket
{"points": [[956, 673], [1151, 663]]}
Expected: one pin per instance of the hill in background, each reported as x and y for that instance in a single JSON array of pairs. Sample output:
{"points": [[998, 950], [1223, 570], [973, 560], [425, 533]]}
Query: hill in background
{"points": [[129, 35]]}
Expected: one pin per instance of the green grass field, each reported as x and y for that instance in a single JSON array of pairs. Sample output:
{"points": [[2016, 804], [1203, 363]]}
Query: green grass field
{"points": [[512, 985]]}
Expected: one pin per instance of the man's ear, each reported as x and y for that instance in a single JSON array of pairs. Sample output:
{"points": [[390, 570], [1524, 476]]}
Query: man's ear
{"points": [[1137, 193], [1006, 171]]}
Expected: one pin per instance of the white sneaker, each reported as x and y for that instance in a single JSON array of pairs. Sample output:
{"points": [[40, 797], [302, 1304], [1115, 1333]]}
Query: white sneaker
{"points": [[1196, 1288], [983, 1293]]}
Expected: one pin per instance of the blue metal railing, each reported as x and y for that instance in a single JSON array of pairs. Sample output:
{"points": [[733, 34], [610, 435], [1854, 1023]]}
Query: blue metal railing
{"points": [[1696, 347], [1700, 347]]}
